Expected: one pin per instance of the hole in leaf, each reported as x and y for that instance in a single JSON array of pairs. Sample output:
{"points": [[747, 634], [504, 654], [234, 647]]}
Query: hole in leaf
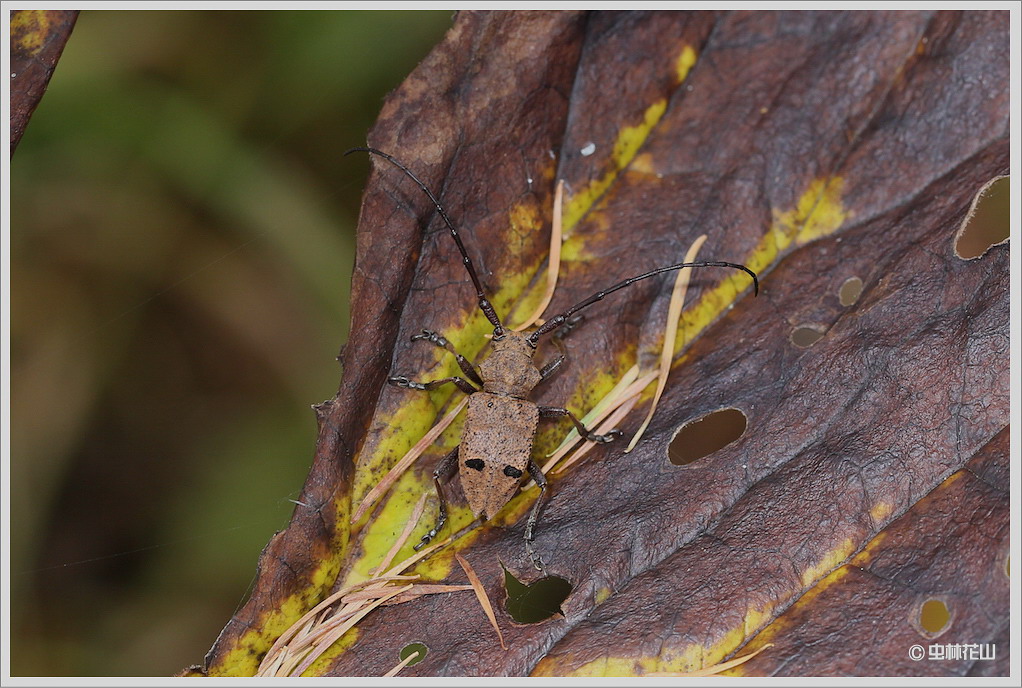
{"points": [[537, 601], [705, 435], [850, 291], [409, 649], [805, 336], [934, 616], [987, 222]]}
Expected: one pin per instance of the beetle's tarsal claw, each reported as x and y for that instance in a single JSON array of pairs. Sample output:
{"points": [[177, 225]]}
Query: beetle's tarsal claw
{"points": [[537, 561], [405, 383], [609, 437]]}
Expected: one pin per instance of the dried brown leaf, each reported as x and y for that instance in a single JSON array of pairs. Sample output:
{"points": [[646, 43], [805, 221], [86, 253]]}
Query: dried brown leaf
{"points": [[818, 146], [37, 40]]}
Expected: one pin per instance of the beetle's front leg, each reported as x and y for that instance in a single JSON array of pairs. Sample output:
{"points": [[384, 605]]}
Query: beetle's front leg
{"points": [[548, 370], [466, 366], [562, 332], [445, 470]]}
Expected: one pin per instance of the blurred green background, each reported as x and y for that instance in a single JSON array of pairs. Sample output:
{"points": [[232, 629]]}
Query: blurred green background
{"points": [[182, 242]]}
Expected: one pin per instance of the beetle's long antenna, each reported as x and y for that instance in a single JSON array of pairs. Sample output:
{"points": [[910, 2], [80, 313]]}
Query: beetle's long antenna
{"points": [[484, 304], [558, 320]]}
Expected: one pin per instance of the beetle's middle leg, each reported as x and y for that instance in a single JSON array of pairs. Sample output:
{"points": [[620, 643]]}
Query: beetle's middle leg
{"points": [[466, 366], [445, 470], [460, 382], [556, 412]]}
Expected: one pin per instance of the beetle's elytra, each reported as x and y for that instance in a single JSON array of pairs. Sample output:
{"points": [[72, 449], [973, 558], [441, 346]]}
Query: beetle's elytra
{"points": [[496, 443]]}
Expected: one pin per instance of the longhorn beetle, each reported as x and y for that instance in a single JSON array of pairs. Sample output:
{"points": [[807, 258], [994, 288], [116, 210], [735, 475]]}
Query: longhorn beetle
{"points": [[500, 426]]}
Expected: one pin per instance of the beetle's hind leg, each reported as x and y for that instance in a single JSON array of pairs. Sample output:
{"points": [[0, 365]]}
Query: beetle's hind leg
{"points": [[445, 470], [537, 474]]}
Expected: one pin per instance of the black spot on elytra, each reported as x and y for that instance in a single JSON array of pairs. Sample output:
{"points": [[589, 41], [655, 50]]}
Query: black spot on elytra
{"points": [[512, 472], [475, 463]]}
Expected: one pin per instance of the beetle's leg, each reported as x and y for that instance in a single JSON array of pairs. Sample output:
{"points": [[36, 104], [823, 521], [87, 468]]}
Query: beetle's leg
{"points": [[537, 475], [555, 412], [466, 366], [462, 384], [548, 370], [559, 335], [445, 470]]}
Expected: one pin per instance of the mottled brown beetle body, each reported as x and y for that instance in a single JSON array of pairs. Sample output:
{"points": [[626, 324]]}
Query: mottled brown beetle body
{"points": [[501, 423], [499, 428]]}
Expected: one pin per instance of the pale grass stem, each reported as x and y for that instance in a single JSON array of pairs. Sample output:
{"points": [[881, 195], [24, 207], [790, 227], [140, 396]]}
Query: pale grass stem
{"points": [[670, 333], [716, 668], [554, 261], [402, 664], [480, 591], [308, 638], [407, 460]]}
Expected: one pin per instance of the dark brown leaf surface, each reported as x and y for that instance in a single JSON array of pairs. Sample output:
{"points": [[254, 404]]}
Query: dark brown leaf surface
{"points": [[813, 147], [37, 40]]}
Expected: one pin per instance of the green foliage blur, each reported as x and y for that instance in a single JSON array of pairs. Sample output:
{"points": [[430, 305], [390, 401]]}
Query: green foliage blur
{"points": [[182, 233]]}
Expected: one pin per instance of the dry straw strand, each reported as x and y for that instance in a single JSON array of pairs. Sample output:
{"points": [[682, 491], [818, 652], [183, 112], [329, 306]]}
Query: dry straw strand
{"points": [[717, 668], [613, 420], [553, 263], [335, 634], [403, 538], [402, 664], [477, 585], [407, 460], [670, 333]]}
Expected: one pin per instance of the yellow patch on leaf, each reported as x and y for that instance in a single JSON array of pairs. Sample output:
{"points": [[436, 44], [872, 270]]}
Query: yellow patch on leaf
{"points": [[818, 212], [29, 29], [881, 511], [831, 560], [686, 60], [685, 659], [628, 142], [243, 660], [780, 626]]}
